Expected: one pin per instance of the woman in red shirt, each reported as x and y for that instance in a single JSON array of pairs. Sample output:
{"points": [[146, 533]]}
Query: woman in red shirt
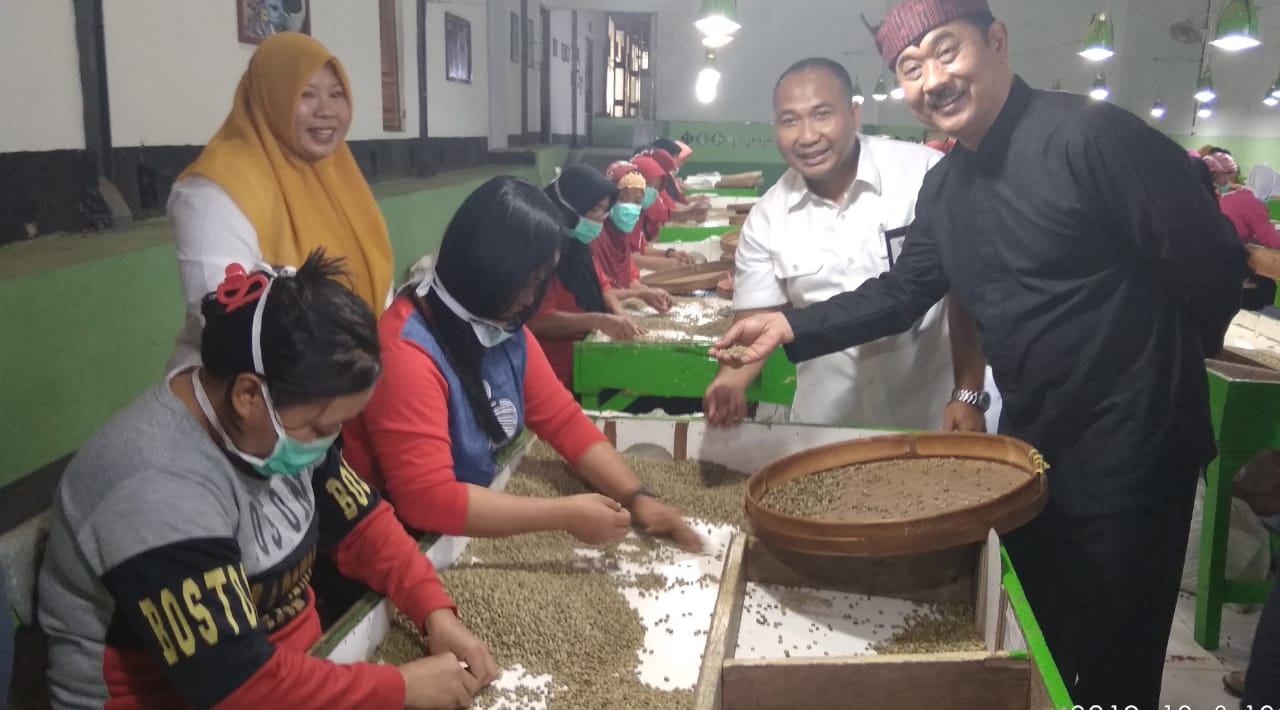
{"points": [[580, 299], [462, 376], [1247, 213]]}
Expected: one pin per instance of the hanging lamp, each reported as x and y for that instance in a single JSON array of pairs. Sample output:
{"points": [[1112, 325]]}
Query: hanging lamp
{"points": [[1204, 89], [881, 92], [1158, 110], [708, 82], [1204, 111], [857, 92], [718, 18], [1099, 42], [1100, 90], [897, 92], [1237, 27]]}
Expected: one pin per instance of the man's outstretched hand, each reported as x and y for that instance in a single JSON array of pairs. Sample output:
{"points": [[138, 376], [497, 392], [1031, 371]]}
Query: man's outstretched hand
{"points": [[752, 339]]}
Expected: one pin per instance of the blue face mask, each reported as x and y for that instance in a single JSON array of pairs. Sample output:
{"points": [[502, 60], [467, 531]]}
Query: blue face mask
{"points": [[625, 216], [1224, 189], [587, 231], [290, 456], [650, 196]]}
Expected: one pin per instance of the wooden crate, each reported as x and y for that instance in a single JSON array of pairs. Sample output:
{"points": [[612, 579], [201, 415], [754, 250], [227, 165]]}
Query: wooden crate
{"points": [[1006, 676], [901, 681]]}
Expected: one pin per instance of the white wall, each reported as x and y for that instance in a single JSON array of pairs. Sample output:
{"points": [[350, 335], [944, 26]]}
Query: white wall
{"points": [[562, 89], [456, 109], [173, 67], [39, 77], [1044, 36], [511, 70]]}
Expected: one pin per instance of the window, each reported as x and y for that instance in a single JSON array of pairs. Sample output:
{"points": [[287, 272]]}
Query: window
{"points": [[628, 65], [389, 36]]}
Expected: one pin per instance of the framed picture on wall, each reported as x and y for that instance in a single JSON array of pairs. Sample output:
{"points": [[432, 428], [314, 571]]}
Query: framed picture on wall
{"points": [[257, 20], [457, 48]]}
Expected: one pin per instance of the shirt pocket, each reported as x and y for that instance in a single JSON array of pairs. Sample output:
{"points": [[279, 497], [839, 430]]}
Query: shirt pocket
{"points": [[798, 263], [891, 244]]}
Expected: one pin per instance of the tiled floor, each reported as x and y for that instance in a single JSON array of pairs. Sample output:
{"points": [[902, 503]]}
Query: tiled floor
{"points": [[1192, 675]]}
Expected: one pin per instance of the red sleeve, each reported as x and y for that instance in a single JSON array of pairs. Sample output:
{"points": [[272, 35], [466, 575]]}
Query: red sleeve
{"points": [[381, 554], [551, 412], [407, 423], [635, 272], [668, 200], [1258, 220], [555, 298], [605, 286], [290, 679]]}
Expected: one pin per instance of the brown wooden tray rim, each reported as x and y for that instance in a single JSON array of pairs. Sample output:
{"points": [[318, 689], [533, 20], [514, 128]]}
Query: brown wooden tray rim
{"points": [[1003, 512]]}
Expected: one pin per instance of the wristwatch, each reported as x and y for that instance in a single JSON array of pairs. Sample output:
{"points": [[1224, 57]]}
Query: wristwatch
{"points": [[973, 398]]}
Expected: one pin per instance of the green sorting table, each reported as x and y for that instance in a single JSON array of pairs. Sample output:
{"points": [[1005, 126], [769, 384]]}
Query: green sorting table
{"points": [[728, 192], [1244, 402], [692, 234], [664, 370]]}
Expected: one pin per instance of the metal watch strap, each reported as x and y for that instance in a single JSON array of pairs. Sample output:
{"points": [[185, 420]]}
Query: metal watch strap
{"points": [[973, 398]]}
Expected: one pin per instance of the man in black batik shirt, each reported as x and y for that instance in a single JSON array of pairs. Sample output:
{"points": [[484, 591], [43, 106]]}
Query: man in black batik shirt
{"points": [[1100, 275]]}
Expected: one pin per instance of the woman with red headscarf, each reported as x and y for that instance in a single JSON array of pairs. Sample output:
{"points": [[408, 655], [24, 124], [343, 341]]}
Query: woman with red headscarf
{"points": [[1248, 215], [655, 212], [612, 249]]}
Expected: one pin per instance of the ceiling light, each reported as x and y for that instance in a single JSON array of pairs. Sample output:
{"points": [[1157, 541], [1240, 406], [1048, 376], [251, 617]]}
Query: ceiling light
{"points": [[897, 92], [1158, 111], [708, 81], [1204, 89], [881, 92], [1237, 27], [1100, 90], [716, 18], [1275, 88], [1205, 111], [857, 92], [1099, 42], [1270, 100], [716, 41]]}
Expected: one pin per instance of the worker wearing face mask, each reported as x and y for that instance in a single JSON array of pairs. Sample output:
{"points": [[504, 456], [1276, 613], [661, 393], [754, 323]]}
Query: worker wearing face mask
{"points": [[463, 377]]}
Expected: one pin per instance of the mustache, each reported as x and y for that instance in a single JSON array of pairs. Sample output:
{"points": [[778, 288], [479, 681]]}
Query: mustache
{"points": [[936, 98]]}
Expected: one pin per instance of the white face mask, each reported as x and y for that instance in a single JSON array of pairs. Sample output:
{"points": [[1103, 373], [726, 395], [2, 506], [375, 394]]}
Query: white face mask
{"points": [[490, 333]]}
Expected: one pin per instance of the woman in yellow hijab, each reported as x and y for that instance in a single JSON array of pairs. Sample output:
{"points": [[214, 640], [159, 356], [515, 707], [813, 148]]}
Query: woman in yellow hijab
{"points": [[278, 180]]}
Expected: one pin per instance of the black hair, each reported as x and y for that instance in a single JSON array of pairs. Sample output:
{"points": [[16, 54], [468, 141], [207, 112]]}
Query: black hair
{"points": [[504, 238], [641, 150], [668, 145], [577, 272], [1216, 149], [982, 20], [830, 66], [319, 340]]}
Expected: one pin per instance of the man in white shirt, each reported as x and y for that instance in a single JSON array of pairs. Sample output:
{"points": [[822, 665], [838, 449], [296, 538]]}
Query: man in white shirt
{"points": [[834, 220]]}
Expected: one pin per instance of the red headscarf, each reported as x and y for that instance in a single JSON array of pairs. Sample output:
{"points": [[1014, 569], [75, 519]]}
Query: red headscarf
{"points": [[612, 250]]}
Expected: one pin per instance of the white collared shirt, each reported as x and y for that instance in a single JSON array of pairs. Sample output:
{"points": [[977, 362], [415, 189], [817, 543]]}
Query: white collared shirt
{"points": [[798, 248]]}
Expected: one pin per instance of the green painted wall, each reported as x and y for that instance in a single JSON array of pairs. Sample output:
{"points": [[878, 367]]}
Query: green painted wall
{"points": [[89, 320], [1247, 151]]}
